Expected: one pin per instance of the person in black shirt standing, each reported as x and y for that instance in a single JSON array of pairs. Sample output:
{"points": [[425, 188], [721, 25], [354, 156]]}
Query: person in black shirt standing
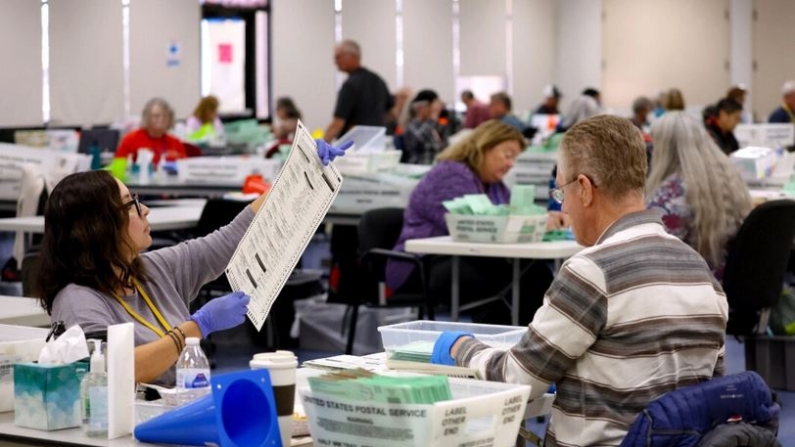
{"points": [[364, 98]]}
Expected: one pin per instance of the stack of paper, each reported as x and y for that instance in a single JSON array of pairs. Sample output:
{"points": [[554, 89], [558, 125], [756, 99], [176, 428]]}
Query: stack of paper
{"points": [[362, 385]]}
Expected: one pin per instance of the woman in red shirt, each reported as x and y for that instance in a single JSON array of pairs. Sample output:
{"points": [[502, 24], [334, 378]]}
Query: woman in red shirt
{"points": [[156, 119]]}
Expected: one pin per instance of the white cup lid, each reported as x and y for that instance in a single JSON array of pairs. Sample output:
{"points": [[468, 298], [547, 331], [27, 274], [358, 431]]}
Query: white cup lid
{"points": [[275, 357]]}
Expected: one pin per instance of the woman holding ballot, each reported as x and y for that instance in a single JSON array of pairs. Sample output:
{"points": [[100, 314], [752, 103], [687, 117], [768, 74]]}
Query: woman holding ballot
{"points": [[93, 272]]}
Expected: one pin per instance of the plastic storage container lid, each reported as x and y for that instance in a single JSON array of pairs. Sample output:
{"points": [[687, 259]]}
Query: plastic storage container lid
{"points": [[365, 138], [403, 333]]}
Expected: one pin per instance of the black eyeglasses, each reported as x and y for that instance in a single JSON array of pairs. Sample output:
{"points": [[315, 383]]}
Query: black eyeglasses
{"points": [[134, 202]]}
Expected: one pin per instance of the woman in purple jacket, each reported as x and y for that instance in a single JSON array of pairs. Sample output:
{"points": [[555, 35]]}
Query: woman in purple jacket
{"points": [[476, 165]]}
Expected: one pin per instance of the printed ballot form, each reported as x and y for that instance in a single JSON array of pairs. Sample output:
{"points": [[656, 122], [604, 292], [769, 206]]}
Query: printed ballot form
{"points": [[284, 225]]}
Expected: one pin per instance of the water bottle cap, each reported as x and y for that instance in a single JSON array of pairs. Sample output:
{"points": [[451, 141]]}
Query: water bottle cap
{"points": [[192, 341]]}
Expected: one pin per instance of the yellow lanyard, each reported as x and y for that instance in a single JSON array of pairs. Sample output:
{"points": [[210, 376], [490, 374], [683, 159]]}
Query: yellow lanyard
{"points": [[789, 112], [152, 307]]}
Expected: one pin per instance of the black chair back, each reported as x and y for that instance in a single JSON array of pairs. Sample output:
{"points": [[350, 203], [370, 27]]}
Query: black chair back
{"points": [[380, 228], [757, 263], [217, 213]]}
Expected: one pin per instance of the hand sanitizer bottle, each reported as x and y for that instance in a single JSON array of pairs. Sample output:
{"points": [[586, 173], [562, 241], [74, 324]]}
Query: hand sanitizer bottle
{"points": [[129, 168], [95, 397], [160, 171]]}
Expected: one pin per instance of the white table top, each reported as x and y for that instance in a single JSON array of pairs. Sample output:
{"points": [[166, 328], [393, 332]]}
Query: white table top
{"points": [[165, 218], [175, 202], [444, 245], [22, 311], [769, 194], [70, 436]]}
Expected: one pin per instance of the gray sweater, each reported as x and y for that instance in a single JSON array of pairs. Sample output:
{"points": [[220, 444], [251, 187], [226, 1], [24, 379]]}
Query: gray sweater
{"points": [[177, 274]]}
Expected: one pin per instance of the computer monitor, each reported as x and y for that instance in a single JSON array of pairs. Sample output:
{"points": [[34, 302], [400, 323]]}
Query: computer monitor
{"points": [[106, 139]]}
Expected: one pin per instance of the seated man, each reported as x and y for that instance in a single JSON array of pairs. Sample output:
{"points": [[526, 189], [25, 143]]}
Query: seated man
{"points": [[422, 140], [500, 108], [477, 112], [551, 99], [634, 316], [786, 112]]}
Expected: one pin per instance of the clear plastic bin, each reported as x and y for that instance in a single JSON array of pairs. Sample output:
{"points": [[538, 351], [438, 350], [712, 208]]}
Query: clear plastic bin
{"points": [[145, 411], [226, 170], [397, 335], [365, 138], [18, 344], [368, 162], [496, 229], [480, 414]]}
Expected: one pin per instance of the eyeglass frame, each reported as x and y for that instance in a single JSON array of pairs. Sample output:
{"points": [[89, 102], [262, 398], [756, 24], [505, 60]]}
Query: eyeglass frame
{"points": [[557, 193], [134, 202]]}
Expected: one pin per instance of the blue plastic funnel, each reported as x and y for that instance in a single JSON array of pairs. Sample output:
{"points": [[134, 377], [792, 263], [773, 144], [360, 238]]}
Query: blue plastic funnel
{"points": [[240, 412]]}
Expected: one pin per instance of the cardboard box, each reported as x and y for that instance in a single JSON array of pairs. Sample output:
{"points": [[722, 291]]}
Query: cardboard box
{"points": [[47, 397]]}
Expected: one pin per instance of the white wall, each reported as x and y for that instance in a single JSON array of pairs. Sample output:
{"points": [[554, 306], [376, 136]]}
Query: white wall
{"points": [[579, 47], [552, 41], [154, 25], [651, 46], [741, 15], [86, 64], [303, 57], [371, 23], [773, 50], [534, 37], [20, 81], [482, 37], [428, 47]]}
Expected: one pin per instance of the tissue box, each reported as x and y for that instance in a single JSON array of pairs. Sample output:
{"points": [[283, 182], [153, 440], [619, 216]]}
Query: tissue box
{"points": [[47, 397]]}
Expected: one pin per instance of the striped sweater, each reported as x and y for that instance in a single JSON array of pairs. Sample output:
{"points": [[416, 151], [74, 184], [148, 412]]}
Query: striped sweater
{"points": [[635, 316]]}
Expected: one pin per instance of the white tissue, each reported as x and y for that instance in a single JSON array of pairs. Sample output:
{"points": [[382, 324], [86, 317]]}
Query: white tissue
{"points": [[68, 348]]}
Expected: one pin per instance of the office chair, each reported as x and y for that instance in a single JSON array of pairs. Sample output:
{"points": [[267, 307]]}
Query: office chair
{"points": [[216, 214], [755, 270], [379, 230], [757, 264]]}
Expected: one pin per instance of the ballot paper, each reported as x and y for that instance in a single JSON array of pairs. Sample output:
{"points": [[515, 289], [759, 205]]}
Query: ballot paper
{"points": [[273, 244]]}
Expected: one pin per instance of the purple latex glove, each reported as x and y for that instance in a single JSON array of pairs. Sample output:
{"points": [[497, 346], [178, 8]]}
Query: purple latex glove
{"points": [[222, 313], [328, 153]]}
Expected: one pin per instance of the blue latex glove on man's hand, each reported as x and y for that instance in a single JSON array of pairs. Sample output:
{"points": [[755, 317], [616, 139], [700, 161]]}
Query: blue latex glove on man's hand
{"points": [[328, 153], [441, 349], [222, 313]]}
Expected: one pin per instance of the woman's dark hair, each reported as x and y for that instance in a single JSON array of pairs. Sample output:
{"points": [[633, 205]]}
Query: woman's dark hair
{"points": [[286, 103], [85, 238], [728, 105]]}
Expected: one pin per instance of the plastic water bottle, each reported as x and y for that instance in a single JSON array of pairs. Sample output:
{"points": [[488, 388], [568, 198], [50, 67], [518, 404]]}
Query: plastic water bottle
{"points": [[96, 157], [193, 372]]}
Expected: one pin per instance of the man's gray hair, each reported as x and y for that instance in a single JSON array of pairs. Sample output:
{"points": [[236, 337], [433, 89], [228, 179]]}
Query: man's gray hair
{"points": [[787, 88], [350, 46]]}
